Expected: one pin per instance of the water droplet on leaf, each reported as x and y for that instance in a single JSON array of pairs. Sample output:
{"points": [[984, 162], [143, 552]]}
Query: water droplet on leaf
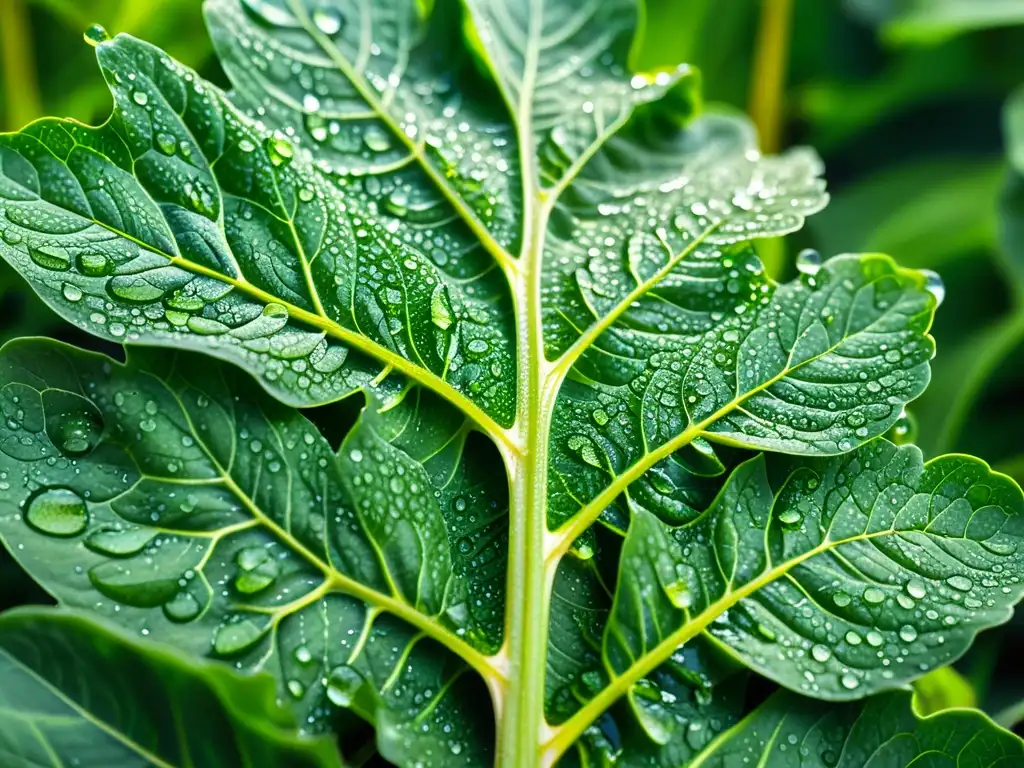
{"points": [[58, 512]]}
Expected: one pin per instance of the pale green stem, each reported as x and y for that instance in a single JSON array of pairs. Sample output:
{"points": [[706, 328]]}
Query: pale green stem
{"points": [[21, 91], [767, 81]]}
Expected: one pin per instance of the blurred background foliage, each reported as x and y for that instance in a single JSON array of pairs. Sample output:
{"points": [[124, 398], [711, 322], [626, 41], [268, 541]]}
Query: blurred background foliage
{"points": [[916, 106]]}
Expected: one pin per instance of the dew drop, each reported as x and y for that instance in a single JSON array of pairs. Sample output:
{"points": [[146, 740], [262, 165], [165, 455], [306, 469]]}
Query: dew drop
{"points": [[873, 595], [808, 262], [51, 257], [916, 589], [849, 681], [934, 285], [95, 35], [235, 637], [908, 633], [119, 542], [94, 264], [71, 292], [820, 653], [343, 684], [440, 309], [58, 512], [141, 98], [182, 607], [961, 583], [303, 655], [790, 517], [327, 20], [376, 139], [279, 150]]}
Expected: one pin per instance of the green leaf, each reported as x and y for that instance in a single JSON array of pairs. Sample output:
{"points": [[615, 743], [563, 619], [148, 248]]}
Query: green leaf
{"points": [[177, 499], [479, 216], [838, 577], [157, 707], [931, 22], [179, 223], [817, 366], [943, 688], [789, 730]]}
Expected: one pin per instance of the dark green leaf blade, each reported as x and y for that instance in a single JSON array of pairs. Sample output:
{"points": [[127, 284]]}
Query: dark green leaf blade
{"points": [[817, 366], [182, 502], [183, 223], [788, 730], [74, 692], [838, 577]]}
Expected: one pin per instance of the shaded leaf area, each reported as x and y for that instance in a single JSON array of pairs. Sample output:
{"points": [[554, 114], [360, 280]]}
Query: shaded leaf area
{"points": [[74, 692], [837, 576], [882, 731], [176, 498], [719, 351], [182, 223]]}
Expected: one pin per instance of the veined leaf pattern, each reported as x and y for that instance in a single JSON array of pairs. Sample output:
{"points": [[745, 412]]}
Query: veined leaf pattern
{"points": [[789, 730], [199, 511], [160, 708], [535, 264], [837, 577]]}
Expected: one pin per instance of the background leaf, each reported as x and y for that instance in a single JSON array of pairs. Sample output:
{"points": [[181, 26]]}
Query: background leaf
{"points": [[157, 707]]}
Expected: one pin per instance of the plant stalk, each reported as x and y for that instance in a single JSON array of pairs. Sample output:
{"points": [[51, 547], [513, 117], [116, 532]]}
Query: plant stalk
{"points": [[767, 81], [522, 725], [21, 90]]}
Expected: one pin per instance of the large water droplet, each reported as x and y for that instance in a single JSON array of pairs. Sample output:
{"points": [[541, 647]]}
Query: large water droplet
{"points": [[51, 257], [73, 424], [119, 542], [904, 430], [257, 570], [343, 684], [279, 150], [916, 588], [235, 637], [58, 512], [94, 264], [95, 35], [440, 309], [821, 653], [327, 20], [960, 582], [908, 633], [873, 595], [182, 607], [808, 262], [934, 285], [376, 139], [849, 681], [790, 517]]}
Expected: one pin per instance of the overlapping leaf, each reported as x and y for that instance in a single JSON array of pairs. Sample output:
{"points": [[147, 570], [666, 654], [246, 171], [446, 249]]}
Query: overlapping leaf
{"points": [[180, 501], [180, 223], [883, 731], [837, 577], [817, 366], [156, 707]]}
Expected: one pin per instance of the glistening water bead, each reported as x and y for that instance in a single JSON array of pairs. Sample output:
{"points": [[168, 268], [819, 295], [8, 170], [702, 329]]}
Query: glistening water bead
{"points": [[57, 512]]}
